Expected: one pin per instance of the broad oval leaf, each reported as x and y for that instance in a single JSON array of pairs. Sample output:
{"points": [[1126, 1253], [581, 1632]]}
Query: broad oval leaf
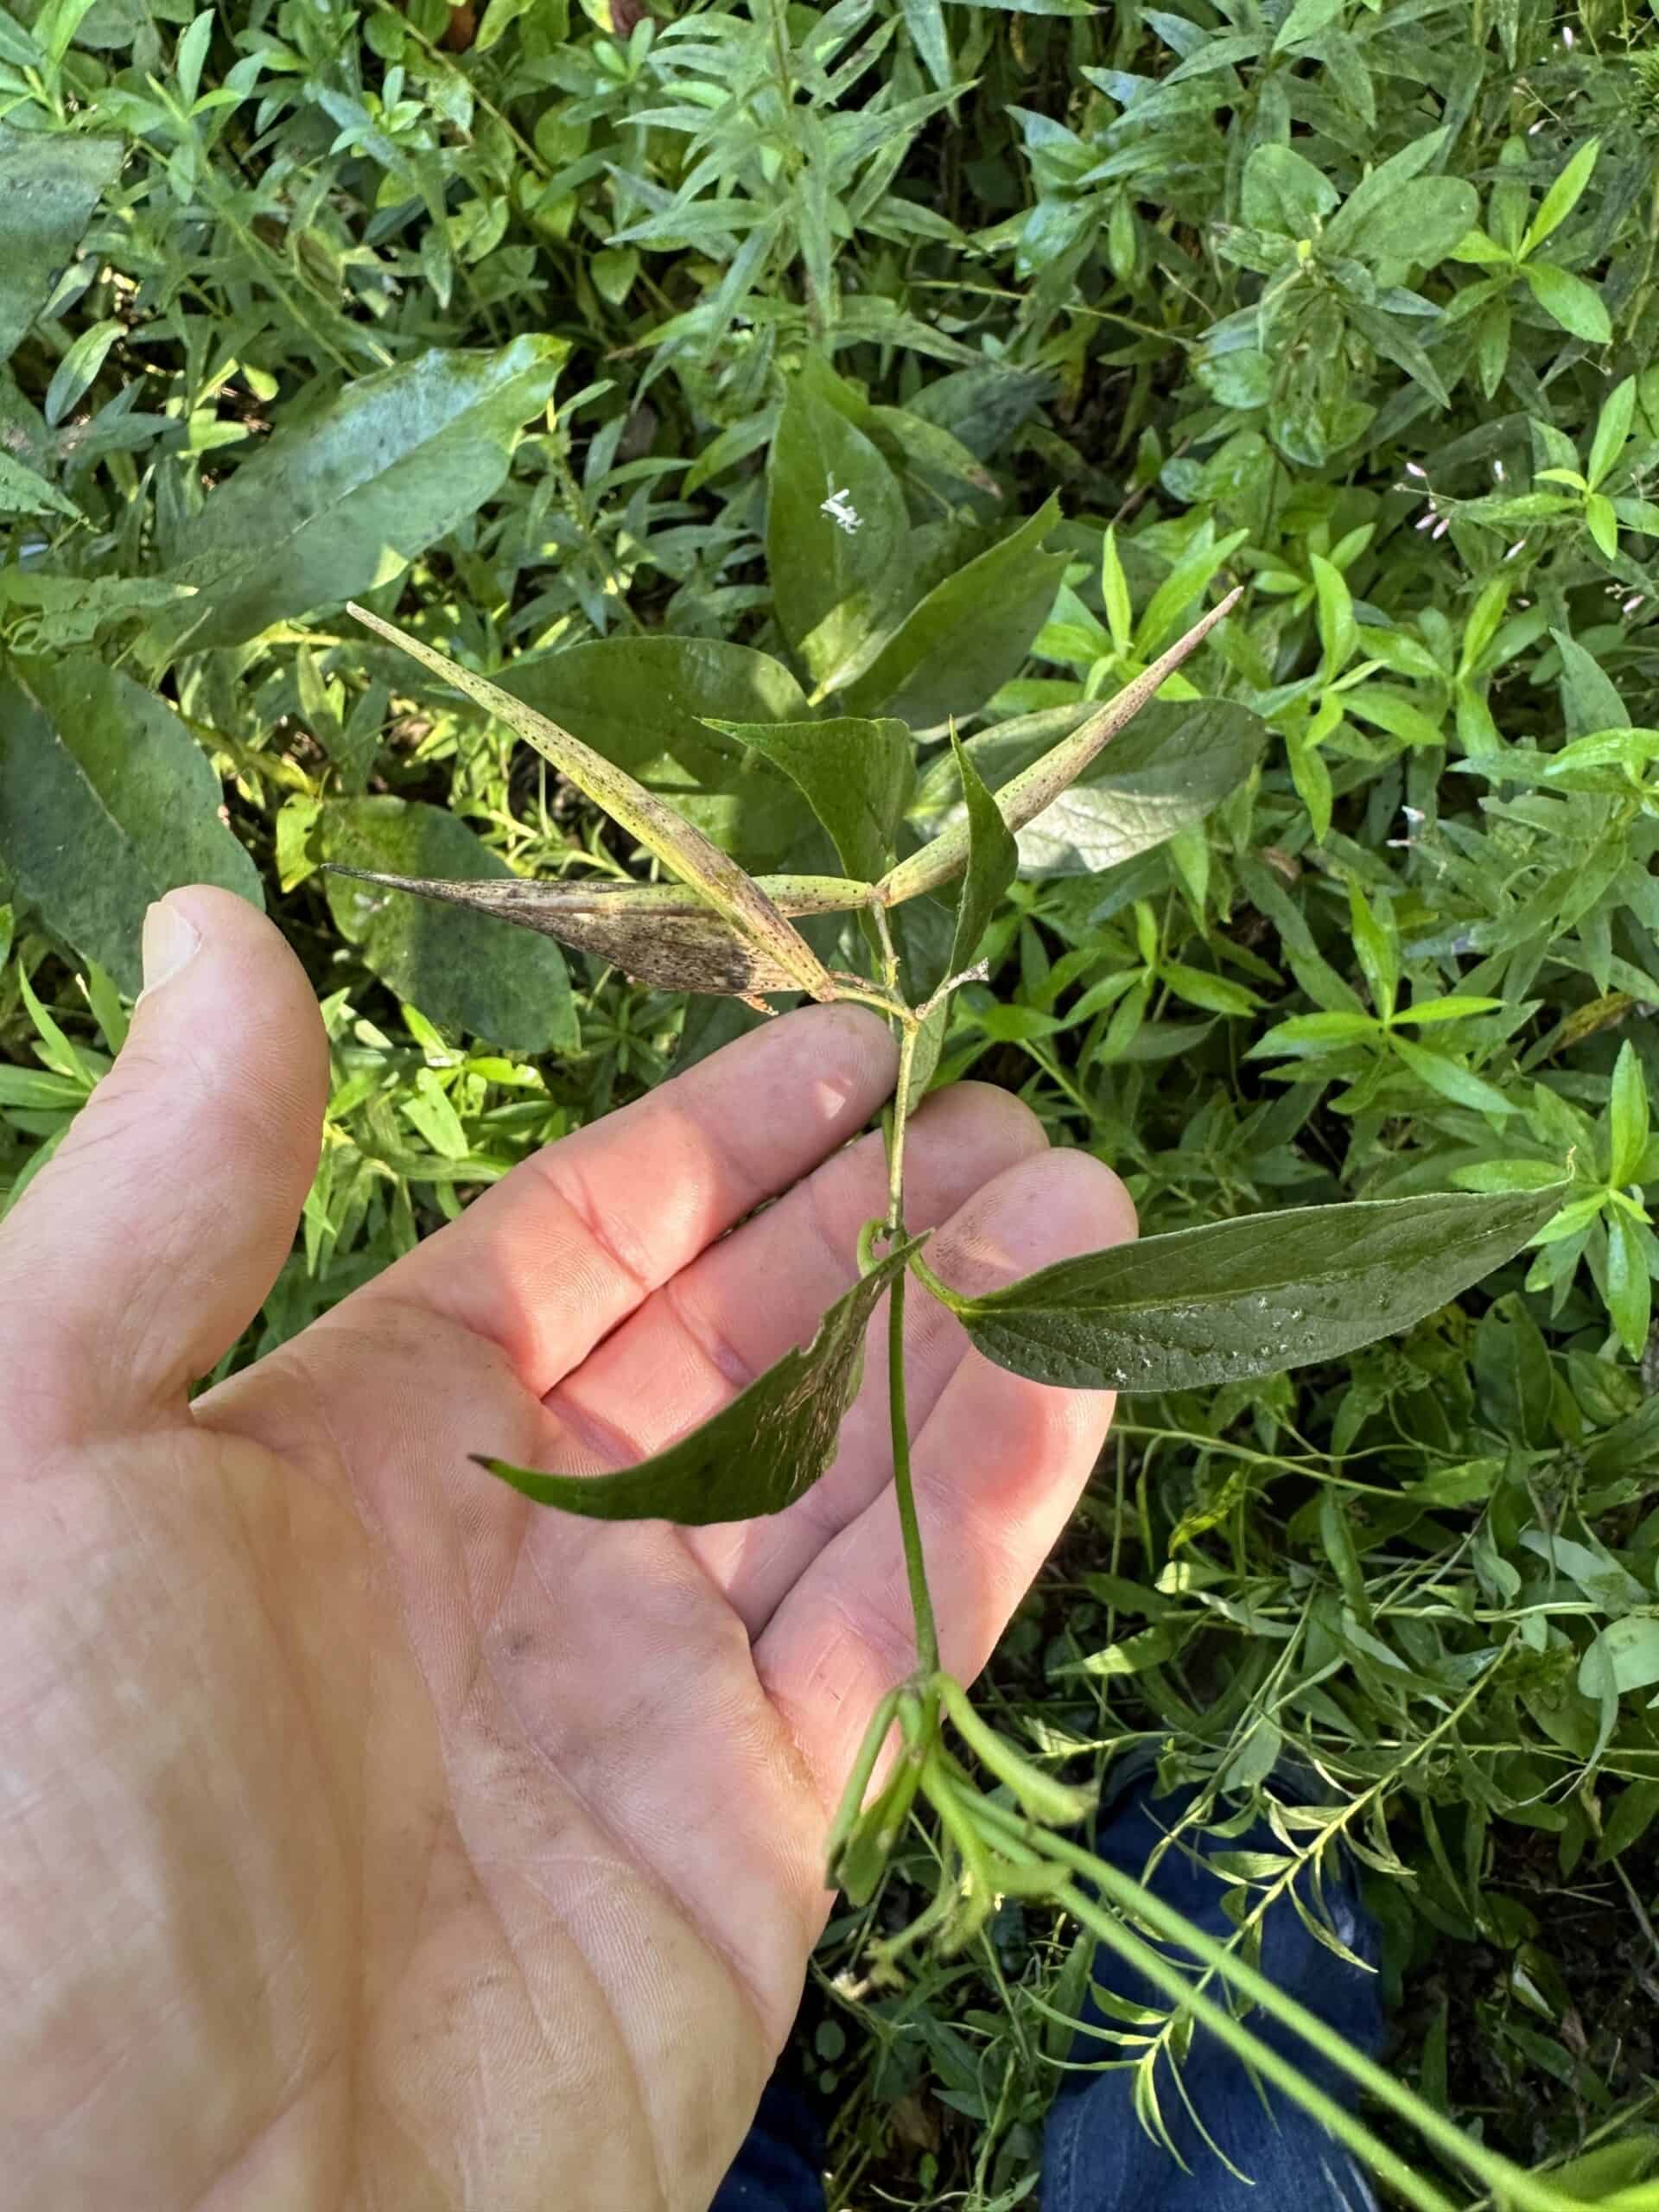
{"points": [[463, 971], [757, 1455], [653, 705], [107, 802], [1181, 758], [657, 825], [346, 501], [970, 634], [855, 775], [1255, 1296], [49, 185]]}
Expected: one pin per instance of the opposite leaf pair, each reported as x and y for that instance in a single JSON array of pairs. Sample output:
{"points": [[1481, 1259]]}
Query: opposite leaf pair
{"points": [[1213, 1304]]}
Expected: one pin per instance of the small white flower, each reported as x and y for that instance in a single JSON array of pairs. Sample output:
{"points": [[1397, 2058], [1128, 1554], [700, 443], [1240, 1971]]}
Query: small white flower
{"points": [[841, 511]]}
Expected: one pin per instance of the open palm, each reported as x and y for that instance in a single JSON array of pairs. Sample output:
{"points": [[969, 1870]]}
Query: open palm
{"points": [[368, 1835]]}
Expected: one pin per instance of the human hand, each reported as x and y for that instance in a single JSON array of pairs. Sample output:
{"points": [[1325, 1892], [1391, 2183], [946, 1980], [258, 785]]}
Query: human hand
{"points": [[367, 1835]]}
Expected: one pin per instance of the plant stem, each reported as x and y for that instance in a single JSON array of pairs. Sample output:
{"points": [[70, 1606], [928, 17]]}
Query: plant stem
{"points": [[927, 1634], [921, 1601]]}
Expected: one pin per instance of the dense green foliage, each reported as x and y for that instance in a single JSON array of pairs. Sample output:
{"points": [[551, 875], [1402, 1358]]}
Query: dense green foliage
{"points": [[562, 337]]}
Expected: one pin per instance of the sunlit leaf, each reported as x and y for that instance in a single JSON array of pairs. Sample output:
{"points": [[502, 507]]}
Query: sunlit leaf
{"points": [[1250, 1296]]}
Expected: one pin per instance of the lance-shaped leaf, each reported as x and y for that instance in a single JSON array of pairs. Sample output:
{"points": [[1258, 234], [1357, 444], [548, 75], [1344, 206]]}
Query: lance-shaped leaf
{"points": [[993, 862], [1024, 798], [642, 814], [1249, 1297], [757, 1455], [963, 642], [665, 936], [346, 498]]}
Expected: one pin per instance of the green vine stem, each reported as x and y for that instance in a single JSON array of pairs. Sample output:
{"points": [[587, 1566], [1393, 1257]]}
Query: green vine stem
{"points": [[927, 1634]]}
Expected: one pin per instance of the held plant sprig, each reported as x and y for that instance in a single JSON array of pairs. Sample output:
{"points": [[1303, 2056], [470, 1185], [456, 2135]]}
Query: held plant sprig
{"points": [[1217, 1303]]}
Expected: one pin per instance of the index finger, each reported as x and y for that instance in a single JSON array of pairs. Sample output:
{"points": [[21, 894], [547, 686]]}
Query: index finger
{"points": [[555, 1255]]}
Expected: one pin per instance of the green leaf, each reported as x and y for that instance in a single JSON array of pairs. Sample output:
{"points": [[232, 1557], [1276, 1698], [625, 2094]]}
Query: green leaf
{"points": [[1629, 1649], [464, 971], [1247, 1296], [64, 612], [1612, 428], [346, 500], [1451, 1079], [650, 820], [1420, 223], [757, 1455], [22, 492], [1304, 19], [1177, 760], [969, 635], [993, 863], [856, 776], [1377, 947], [107, 802], [1373, 195], [1338, 632], [1612, 2167], [1283, 191], [1562, 197], [1603, 524], [1627, 1116], [1311, 1036], [1215, 993], [1574, 304], [654, 706], [1456, 1009], [924, 21], [192, 52], [836, 530], [1590, 698], [78, 369], [1629, 1286], [50, 186]]}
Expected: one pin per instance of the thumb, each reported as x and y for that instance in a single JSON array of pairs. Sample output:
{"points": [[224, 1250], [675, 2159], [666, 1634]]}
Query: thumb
{"points": [[145, 1248]]}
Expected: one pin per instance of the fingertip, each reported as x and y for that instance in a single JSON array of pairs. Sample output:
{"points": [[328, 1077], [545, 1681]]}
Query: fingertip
{"points": [[836, 1064], [984, 1112], [1047, 1207]]}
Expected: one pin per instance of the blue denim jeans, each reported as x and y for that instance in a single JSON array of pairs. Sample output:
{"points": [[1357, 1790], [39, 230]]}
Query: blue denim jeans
{"points": [[1096, 2156]]}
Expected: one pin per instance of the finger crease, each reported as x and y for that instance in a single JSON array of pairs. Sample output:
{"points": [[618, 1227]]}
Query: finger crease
{"points": [[576, 1194], [700, 1330]]}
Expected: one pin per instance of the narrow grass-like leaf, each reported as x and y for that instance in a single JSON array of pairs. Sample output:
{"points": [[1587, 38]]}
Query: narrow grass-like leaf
{"points": [[641, 813], [1253, 1296], [755, 1456]]}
